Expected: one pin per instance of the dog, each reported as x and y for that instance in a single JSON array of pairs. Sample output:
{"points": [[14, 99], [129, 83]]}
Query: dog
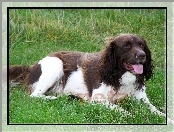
{"points": [[107, 77]]}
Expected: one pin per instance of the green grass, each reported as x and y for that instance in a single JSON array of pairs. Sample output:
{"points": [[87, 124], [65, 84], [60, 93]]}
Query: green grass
{"points": [[35, 33]]}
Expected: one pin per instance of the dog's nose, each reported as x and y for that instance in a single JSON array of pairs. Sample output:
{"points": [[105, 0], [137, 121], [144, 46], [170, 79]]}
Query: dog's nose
{"points": [[141, 55]]}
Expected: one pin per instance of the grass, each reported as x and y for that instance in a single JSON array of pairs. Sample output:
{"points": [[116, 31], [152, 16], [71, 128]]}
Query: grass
{"points": [[35, 33]]}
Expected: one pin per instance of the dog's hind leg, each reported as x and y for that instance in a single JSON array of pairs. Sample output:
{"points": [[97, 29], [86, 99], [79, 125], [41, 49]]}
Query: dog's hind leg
{"points": [[52, 71]]}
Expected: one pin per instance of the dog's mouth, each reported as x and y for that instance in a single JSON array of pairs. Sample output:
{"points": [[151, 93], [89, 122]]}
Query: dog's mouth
{"points": [[134, 68]]}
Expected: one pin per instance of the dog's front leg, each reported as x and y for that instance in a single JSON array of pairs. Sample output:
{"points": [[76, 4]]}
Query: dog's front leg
{"points": [[141, 95], [107, 98]]}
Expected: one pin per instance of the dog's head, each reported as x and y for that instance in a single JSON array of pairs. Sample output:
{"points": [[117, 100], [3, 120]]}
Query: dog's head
{"points": [[128, 52]]}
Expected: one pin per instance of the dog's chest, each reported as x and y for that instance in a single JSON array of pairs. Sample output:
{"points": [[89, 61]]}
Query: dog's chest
{"points": [[128, 83]]}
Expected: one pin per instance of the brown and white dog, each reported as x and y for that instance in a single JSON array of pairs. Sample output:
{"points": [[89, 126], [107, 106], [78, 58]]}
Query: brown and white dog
{"points": [[106, 77]]}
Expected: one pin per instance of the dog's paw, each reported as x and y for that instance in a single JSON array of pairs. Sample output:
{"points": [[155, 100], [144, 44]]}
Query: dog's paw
{"points": [[43, 96], [50, 97]]}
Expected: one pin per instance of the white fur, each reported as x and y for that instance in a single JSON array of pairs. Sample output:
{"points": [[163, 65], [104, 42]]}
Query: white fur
{"points": [[52, 71], [76, 86], [128, 84]]}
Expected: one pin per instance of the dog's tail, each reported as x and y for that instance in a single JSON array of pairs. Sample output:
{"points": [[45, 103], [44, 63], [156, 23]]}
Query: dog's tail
{"points": [[19, 74]]}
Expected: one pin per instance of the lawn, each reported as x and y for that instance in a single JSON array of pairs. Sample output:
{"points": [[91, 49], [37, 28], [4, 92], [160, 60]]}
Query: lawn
{"points": [[34, 33]]}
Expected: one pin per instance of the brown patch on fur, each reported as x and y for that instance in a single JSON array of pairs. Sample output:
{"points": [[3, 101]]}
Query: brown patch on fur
{"points": [[89, 63], [34, 75], [70, 61], [25, 75], [18, 73], [90, 68]]}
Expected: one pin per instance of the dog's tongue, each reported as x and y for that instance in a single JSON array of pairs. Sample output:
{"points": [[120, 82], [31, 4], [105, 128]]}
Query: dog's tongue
{"points": [[138, 68]]}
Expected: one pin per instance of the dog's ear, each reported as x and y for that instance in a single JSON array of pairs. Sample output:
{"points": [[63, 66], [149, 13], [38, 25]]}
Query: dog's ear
{"points": [[148, 66], [109, 56], [108, 63]]}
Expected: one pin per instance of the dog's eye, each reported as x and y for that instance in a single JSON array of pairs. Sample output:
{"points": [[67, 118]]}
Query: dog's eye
{"points": [[127, 46], [141, 44]]}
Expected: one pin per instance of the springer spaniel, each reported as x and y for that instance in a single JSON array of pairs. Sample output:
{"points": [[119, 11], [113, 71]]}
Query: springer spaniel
{"points": [[106, 77]]}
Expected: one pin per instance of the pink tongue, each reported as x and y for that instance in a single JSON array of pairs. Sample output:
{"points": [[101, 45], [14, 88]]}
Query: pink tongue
{"points": [[138, 68]]}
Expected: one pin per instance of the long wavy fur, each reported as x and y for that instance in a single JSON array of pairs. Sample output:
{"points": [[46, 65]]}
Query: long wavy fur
{"points": [[148, 66], [110, 72]]}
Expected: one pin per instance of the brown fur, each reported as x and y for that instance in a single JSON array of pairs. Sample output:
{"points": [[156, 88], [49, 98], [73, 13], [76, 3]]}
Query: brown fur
{"points": [[91, 72], [34, 75], [19, 73]]}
